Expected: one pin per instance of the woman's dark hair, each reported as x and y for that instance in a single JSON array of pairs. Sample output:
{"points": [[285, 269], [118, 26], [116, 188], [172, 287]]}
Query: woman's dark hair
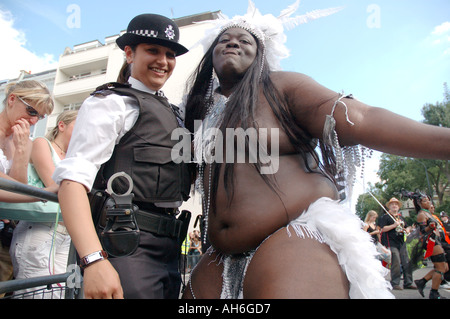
{"points": [[240, 113], [125, 70], [125, 73]]}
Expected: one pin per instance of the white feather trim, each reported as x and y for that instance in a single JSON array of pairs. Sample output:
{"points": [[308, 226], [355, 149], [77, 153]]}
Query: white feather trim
{"points": [[270, 26], [291, 23], [342, 231]]}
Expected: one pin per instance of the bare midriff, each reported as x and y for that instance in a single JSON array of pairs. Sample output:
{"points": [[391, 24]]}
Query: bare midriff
{"points": [[257, 211]]}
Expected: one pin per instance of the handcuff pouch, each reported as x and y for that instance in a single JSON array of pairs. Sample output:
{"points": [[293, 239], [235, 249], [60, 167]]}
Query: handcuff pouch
{"points": [[120, 236]]}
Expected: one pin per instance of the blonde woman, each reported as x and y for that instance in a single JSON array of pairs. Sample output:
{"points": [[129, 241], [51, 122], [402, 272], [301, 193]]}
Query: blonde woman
{"points": [[374, 230], [371, 227], [25, 104], [42, 248]]}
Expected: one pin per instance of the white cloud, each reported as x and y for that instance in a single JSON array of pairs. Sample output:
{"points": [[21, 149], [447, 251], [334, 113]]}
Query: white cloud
{"points": [[14, 57], [440, 38], [441, 29], [441, 34]]}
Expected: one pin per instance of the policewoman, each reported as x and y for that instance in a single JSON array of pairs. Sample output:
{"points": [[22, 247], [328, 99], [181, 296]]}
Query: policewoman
{"points": [[127, 128]]}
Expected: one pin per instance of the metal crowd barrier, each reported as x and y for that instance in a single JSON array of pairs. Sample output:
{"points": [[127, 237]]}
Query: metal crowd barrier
{"points": [[67, 285], [16, 187]]}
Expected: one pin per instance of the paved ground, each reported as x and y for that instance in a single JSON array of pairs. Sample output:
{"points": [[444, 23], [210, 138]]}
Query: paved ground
{"points": [[414, 294], [407, 293]]}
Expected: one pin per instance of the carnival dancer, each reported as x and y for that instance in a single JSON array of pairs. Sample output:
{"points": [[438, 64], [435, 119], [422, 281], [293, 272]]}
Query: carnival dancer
{"points": [[279, 231], [443, 232], [127, 128], [430, 245]]}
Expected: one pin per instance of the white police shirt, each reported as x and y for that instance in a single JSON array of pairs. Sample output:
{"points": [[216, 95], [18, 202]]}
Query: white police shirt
{"points": [[101, 122]]}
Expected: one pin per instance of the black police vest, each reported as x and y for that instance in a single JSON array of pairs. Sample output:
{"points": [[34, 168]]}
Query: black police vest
{"points": [[144, 153]]}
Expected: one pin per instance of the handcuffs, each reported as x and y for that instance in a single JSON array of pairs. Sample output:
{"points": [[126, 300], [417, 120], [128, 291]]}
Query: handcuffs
{"points": [[121, 234]]}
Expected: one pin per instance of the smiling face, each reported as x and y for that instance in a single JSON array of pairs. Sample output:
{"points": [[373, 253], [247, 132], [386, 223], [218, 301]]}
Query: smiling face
{"points": [[152, 64], [234, 53]]}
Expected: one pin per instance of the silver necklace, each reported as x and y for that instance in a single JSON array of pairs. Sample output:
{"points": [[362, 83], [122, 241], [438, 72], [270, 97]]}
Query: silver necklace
{"points": [[204, 143]]}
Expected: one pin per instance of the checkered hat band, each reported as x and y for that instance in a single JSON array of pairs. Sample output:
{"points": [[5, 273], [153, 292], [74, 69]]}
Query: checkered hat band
{"points": [[145, 33]]}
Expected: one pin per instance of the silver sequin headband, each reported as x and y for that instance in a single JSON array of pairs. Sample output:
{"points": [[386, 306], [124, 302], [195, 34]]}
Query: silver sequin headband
{"points": [[268, 29]]}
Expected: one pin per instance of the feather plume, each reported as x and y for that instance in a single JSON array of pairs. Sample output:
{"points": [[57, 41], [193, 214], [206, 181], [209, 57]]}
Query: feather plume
{"points": [[268, 27], [289, 10], [290, 23], [251, 10]]}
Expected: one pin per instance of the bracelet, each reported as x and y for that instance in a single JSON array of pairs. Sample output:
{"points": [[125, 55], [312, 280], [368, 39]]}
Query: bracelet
{"points": [[93, 258]]}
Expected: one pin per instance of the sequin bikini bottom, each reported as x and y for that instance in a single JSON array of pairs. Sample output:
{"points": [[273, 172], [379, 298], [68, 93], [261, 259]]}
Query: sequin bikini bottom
{"points": [[329, 222]]}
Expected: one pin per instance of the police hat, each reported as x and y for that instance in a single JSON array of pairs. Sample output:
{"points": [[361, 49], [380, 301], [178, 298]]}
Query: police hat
{"points": [[152, 28]]}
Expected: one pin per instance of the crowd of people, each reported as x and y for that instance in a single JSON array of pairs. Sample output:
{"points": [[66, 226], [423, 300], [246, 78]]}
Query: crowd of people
{"points": [[257, 218], [191, 251], [26, 103], [404, 248]]}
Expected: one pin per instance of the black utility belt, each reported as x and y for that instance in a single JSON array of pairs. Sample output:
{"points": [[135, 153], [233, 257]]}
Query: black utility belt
{"points": [[150, 207], [159, 224]]}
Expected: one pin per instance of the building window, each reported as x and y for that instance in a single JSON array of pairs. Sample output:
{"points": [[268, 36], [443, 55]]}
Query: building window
{"points": [[80, 76], [72, 106]]}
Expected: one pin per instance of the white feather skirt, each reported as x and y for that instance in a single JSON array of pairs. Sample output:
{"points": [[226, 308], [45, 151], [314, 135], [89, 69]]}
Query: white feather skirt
{"points": [[333, 223]]}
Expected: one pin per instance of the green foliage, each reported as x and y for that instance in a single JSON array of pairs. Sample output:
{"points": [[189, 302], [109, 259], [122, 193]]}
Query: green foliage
{"points": [[397, 173], [445, 206], [438, 114], [366, 203]]}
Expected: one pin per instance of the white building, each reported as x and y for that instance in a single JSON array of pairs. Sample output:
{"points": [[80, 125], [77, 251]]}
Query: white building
{"points": [[86, 66], [89, 65]]}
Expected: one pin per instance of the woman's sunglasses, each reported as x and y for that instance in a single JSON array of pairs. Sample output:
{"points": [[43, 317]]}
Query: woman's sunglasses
{"points": [[31, 111]]}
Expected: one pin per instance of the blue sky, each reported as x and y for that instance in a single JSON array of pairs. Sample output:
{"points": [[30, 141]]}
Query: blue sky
{"points": [[389, 53]]}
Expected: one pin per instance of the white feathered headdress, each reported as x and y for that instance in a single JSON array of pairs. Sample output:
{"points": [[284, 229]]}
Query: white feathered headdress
{"points": [[268, 29]]}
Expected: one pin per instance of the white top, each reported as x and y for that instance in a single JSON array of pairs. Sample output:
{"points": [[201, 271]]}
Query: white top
{"points": [[5, 164], [112, 116]]}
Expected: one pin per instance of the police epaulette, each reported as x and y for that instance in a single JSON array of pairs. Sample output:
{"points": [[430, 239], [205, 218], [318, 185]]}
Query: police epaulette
{"points": [[106, 89]]}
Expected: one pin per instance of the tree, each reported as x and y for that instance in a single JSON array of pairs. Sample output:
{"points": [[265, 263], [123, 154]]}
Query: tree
{"points": [[438, 114], [366, 202], [397, 173], [439, 171]]}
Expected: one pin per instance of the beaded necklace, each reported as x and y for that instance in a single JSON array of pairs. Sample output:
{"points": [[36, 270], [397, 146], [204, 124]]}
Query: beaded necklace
{"points": [[204, 146]]}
